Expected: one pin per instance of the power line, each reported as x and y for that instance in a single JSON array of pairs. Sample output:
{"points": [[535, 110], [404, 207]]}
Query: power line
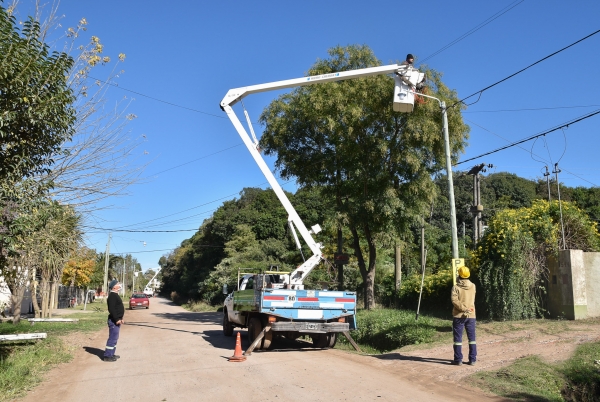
{"points": [[156, 99], [166, 249], [138, 231], [480, 92], [197, 159], [529, 109], [473, 30], [528, 151], [565, 125]]}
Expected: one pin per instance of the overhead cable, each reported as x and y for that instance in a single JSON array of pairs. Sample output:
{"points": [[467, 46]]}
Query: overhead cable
{"points": [[523, 69], [531, 137]]}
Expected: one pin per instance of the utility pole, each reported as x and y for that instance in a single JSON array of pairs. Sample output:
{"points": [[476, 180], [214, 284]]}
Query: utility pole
{"points": [[477, 208], [450, 182], [106, 255], [562, 226], [398, 267], [547, 175]]}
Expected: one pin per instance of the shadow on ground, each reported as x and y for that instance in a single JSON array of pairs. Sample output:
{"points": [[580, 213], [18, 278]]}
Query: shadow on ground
{"points": [[201, 318], [95, 352], [279, 343], [398, 356]]}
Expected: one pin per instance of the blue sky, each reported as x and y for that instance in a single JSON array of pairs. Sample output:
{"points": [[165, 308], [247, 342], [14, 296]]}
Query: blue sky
{"points": [[190, 53]]}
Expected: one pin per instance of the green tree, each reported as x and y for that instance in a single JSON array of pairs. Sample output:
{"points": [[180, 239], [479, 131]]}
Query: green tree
{"points": [[376, 163], [36, 117]]}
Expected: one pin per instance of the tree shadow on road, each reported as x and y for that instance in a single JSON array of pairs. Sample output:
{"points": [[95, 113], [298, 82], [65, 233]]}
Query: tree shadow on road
{"points": [[398, 356], [95, 352], [201, 318], [155, 325]]}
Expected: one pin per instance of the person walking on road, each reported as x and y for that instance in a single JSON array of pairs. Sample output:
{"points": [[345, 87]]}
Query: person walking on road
{"points": [[463, 302], [116, 311]]}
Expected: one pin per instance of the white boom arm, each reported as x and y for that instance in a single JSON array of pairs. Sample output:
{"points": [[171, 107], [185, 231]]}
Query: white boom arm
{"points": [[155, 275], [407, 77]]}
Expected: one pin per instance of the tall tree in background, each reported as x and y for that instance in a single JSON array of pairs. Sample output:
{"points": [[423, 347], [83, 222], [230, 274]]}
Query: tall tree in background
{"points": [[345, 137]]}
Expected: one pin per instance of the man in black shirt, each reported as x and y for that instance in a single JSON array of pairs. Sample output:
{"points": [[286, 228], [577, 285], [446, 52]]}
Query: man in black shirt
{"points": [[116, 311]]}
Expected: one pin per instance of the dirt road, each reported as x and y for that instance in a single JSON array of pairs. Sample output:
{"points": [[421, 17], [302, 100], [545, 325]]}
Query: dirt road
{"points": [[169, 354]]}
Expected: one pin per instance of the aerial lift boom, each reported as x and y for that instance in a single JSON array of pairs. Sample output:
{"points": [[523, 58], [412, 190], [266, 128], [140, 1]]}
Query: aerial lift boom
{"points": [[405, 76]]}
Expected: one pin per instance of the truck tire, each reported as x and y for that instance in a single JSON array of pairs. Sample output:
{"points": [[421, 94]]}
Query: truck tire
{"points": [[320, 341], [332, 339], [227, 327], [254, 328]]}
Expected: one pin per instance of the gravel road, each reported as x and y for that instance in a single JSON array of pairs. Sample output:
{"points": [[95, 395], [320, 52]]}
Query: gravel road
{"points": [[170, 354]]}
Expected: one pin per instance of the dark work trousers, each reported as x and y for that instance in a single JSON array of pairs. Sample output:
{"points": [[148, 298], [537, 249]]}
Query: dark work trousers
{"points": [[458, 324], [113, 337]]}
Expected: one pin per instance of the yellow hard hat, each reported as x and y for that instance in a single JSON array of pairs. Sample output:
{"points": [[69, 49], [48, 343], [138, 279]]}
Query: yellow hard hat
{"points": [[464, 272]]}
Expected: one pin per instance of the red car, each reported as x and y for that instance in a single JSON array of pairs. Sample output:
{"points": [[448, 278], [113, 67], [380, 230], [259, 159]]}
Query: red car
{"points": [[139, 300]]}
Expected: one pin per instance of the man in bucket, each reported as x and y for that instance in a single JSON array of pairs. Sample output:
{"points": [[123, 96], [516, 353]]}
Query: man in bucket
{"points": [[463, 312], [116, 311]]}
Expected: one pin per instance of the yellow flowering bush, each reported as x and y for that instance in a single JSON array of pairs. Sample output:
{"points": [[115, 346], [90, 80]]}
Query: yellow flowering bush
{"points": [[511, 257]]}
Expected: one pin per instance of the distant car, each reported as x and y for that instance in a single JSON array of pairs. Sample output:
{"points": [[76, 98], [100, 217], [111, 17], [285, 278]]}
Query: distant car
{"points": [[139, 300]]}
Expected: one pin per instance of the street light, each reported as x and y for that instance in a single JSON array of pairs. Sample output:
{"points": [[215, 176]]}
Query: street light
{"points": [[449, 172]]}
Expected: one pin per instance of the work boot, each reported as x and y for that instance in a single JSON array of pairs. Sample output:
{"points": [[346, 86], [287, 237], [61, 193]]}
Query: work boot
{"points": [[471, 363], [116, 356], [110, 358], [455, 363]]}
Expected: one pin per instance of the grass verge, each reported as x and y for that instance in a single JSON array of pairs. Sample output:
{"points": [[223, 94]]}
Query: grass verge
{"points": [[383, 330], [201, 307], [531, 379], [23, 363]]}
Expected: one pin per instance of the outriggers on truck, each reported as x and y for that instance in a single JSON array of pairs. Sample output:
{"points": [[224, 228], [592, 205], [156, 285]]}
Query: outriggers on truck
{"points": [[276, 302]]}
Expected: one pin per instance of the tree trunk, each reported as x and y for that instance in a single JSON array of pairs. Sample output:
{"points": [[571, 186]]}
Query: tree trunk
{"points": [[16, 299], [367, 273], [51, 300]]}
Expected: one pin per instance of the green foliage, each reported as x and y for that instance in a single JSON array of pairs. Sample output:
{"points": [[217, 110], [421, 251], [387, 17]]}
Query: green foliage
{"points": [[376, 164], [511, 257], [385, 330], [36, 102]]}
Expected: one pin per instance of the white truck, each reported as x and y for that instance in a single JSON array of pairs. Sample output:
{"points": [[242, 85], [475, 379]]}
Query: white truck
{"points": [[273, 301]]}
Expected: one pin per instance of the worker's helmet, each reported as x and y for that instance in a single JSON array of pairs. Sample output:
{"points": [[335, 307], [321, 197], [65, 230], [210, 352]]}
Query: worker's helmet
{"points": [[409, 57], [464, 272]]}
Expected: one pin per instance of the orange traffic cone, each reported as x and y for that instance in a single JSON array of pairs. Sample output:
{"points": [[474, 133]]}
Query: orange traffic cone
{"points": [[237, 353]]}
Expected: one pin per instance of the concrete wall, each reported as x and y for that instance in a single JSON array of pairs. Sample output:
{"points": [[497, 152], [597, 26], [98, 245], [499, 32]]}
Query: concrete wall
{"points": [[592, 278], [573, 291]]}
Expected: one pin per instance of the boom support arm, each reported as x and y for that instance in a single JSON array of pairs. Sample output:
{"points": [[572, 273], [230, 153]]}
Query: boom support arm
{"points": [[407, 75]]}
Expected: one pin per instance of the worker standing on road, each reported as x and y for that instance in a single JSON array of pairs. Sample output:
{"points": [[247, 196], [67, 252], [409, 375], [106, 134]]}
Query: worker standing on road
{"points": [[116, 311], [463, 302]]}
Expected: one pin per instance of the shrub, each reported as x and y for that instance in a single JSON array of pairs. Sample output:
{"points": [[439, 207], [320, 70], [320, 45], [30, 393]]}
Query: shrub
{"points": [[387, 329], [511, 259]]}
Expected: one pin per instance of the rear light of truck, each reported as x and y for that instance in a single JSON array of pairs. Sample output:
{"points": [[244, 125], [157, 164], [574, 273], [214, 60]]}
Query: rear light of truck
{"points": [[272, 318], [342, 319]]}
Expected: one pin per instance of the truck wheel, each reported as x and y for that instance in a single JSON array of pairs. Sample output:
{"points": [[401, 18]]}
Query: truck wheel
{"points": [[227, 327], [332, 339], [254, 328], [320, 340]]}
